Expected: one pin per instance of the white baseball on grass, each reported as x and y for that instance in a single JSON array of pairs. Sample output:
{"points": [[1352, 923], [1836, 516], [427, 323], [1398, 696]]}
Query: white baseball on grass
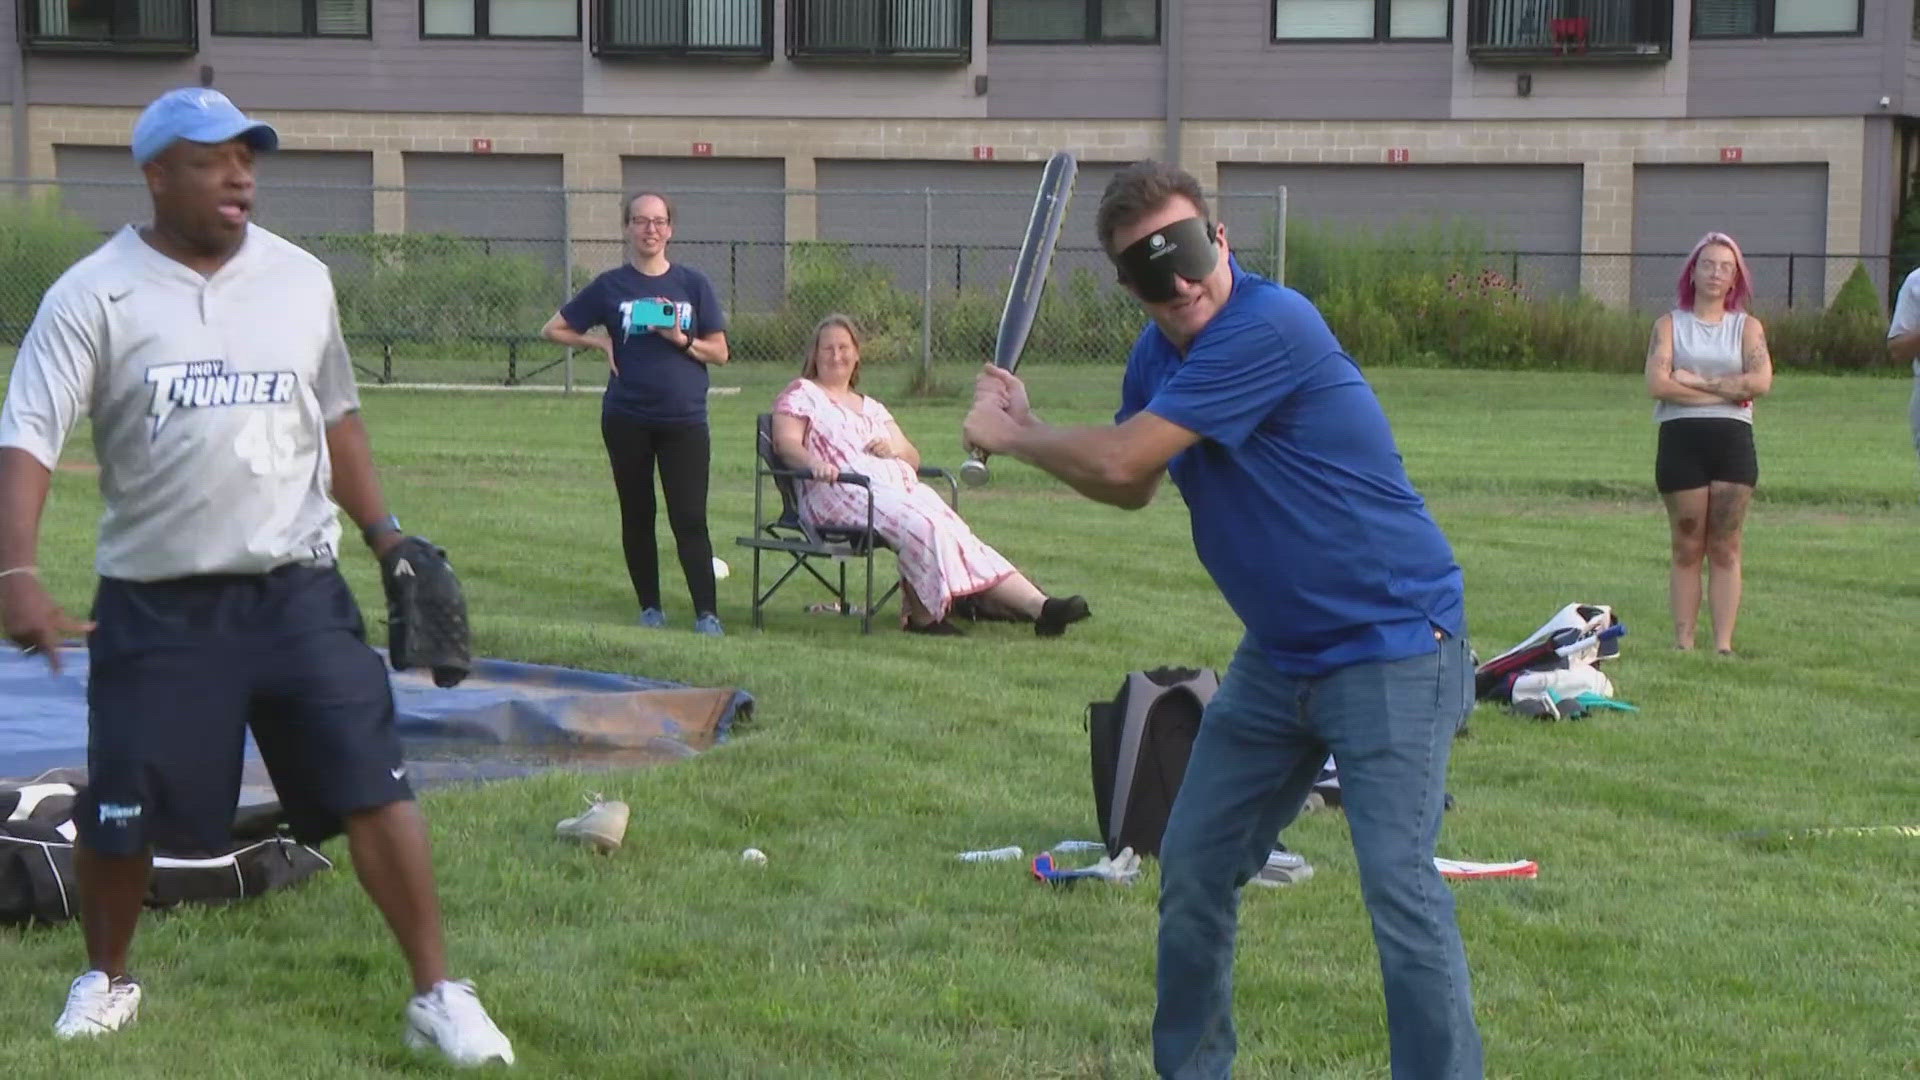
{"points": [[754, 855], [720, 569]]}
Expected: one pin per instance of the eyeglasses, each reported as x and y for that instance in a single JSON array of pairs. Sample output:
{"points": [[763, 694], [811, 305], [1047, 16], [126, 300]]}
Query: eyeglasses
{"points": [[651, 222]]}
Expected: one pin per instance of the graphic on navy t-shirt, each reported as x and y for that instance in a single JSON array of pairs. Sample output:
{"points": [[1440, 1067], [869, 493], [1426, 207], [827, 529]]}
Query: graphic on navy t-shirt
{"points": [[657, 381]]}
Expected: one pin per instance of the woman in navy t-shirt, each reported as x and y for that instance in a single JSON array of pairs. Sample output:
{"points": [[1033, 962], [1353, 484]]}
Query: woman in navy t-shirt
{"points": [[655, 407]]}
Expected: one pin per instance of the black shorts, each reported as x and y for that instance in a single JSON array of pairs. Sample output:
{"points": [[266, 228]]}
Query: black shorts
{"points": [[181, 669], [1699, 450]]}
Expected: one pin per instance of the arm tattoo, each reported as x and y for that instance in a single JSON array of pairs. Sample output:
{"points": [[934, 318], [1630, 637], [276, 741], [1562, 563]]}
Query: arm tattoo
{"points": [[1736, 387]]}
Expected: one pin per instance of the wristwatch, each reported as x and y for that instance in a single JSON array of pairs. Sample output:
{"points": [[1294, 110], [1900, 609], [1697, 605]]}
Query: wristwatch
{"points": [[385, 525]]}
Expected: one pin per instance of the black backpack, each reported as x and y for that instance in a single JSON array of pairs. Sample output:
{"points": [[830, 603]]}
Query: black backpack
{"points": [[1141, 741], [36, 858]]}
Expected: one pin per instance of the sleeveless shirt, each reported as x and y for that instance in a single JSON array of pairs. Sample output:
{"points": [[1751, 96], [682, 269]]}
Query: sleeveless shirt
{"points": [[1711, 350]]}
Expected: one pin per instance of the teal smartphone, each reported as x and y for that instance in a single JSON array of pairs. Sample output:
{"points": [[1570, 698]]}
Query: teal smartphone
{"points": [[649, 314]]}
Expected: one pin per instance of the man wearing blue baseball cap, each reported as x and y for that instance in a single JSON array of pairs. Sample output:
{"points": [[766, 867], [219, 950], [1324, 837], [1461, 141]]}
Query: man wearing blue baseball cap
{"points": [[197, 115], [207, 353]]}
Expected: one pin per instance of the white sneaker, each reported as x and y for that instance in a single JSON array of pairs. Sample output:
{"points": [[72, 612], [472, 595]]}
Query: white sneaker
{"points": [[97, 1005], [603, 824], [450, 1019], [1283, 868]]}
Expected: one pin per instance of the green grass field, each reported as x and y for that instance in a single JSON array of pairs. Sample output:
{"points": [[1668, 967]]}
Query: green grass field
{"points": [[1652, 944]]}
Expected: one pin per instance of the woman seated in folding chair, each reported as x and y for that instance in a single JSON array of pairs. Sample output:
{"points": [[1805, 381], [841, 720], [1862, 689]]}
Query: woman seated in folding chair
{"points": [[823, 424]]}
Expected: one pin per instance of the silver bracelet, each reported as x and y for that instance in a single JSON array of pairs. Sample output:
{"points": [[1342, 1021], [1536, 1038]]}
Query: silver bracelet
{"points": [[34, 570]]}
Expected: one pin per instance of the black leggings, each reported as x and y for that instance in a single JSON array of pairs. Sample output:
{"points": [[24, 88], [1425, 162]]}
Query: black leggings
{"points": [[683, 452]]}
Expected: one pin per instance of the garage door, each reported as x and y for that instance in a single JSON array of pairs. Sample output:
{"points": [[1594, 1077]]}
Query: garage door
{"points": [[307, 193], [1778, 213], [980, 212], [111, 193], [729, 221], [512, 203], [303, 194], [1528, 215]]}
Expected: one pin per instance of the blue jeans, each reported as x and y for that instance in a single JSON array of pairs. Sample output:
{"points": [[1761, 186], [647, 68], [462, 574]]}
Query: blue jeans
{"points": [[1262, 741]]}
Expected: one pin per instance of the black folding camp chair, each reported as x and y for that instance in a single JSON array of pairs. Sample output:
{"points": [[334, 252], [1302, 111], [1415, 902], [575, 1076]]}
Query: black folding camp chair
{"points": [[804, 543]]}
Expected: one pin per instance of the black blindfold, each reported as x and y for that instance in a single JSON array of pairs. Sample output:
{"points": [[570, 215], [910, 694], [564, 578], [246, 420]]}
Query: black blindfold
{"points": [[1184, 249]]}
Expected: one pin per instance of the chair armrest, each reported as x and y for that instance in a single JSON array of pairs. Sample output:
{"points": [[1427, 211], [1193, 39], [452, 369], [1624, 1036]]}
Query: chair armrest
{"points": [[934, 472], [856, 479]]}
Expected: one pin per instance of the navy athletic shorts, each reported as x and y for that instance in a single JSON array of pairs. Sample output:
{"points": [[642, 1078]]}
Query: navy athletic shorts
{"points": [[181, 669], [1695, 451]]}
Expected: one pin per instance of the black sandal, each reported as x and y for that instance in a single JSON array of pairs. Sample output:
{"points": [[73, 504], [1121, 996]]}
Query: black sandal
{"points": [[1057, 615]]}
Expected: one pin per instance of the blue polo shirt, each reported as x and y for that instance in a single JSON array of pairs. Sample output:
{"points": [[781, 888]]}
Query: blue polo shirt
{"points": [[657, 384], [1301, 508]]}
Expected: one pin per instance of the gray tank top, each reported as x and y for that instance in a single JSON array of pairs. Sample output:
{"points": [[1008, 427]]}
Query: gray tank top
{"points": [[1709, 349]]}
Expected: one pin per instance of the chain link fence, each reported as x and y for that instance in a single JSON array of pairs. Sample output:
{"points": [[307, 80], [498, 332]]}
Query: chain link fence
{"points": [[451, 284], [1648, 280]]}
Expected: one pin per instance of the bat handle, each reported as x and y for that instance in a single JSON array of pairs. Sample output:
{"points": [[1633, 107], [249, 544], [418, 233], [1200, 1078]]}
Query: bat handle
{"points": [[973, 471]]}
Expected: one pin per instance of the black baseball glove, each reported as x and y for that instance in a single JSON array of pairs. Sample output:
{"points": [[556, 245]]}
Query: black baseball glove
{"points": [[426, 612]]}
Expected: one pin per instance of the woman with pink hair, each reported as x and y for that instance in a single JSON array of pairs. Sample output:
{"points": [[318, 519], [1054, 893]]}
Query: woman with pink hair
{"points": [[1706, 363]]}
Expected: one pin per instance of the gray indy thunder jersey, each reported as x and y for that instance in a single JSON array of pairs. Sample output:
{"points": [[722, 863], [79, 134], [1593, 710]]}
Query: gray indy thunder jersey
{"points": [[209, 398]]}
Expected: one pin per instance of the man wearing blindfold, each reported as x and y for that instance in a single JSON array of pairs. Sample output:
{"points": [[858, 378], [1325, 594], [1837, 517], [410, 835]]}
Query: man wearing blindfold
{"points": [[1355, 618]]}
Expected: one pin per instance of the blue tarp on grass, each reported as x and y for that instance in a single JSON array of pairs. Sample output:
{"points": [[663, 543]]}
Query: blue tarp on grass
{"points": [[506, 719]]}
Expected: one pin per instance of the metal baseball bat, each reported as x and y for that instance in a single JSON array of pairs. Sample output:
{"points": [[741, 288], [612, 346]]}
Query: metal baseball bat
{"points": [[1029, 279]]}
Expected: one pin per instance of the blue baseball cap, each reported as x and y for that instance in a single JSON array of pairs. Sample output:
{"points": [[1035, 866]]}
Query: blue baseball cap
{"points": [[196, 114]]}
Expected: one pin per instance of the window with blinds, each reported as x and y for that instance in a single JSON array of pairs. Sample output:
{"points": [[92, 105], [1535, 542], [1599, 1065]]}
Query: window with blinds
{"points": [[1765, 18], [138, 25], [500, 18], [934, 29], [1073, 21], [341, 18], [1360, 20], [730, 26], [1816, 17], [292, 18], [1726, 18]]}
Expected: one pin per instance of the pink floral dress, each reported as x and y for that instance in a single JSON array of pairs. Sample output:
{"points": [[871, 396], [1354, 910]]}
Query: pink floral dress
{"points": [[940, 558]]}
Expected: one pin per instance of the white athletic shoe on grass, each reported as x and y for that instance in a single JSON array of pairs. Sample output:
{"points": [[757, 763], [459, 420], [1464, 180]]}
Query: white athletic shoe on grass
{"points": [[97, 1005], [603, 824], [1283, 868], [450, 1019]]}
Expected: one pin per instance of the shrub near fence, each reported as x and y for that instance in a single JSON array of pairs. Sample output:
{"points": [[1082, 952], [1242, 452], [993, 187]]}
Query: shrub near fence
{"points": [[38, 242], [434, 288], [1434, 297], [1431, 297]]}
